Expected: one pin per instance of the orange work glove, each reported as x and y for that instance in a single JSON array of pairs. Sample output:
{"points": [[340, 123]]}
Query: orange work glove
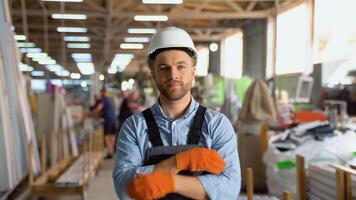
{"points": [[152, 186], [200, 159]]}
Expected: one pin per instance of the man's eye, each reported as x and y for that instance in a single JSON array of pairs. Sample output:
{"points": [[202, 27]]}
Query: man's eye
{"points": [[181, 66]]}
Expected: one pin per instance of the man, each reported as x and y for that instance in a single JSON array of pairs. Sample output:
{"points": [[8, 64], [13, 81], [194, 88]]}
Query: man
{"points": [[176, 149], [107, 108]]}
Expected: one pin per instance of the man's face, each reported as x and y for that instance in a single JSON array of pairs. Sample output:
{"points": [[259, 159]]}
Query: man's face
{"points": [[173, 72]]}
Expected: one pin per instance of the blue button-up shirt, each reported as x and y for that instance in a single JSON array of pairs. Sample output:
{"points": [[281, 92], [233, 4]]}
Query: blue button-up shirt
{"points": [[218, 134]]}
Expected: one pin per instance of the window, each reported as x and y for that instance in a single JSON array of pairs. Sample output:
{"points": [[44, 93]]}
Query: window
{"points": [[231, 56]]}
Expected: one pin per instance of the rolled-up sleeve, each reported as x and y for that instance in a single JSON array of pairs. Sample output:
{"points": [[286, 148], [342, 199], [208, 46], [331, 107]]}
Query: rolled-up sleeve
{"points": [[227, 184], [129, 159]]}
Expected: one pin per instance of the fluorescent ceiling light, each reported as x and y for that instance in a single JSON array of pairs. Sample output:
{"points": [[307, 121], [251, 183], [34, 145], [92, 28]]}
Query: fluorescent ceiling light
{"points": [[124, 56], [121, 68], [38, 59], [162, 1], [86, 68], [37, 73], [20, 37], [156, 18], [120, 62], [47, 62], [78, 45], [76, 38], [25, 68], [112, 71], [37, 55], [72, 29], [142, 30], [75, 76], [81, 56], [137, 39], [68, 16], [131, 46], [30, 50], [62, 73], [25, 44], [54, 68], [64, 0]]}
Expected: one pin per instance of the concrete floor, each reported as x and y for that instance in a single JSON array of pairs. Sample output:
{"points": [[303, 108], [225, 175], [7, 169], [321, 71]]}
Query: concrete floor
{"points": [[100, 187]]}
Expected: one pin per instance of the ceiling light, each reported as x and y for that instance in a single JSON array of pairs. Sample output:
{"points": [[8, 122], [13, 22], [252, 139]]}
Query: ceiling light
{"points": [[162, 1], [142, 30], [213, 47], [156, 18], [76, 38], [47, 62], [20, 37], [124, 56], [30, 50], [72, 29], [78, 45], [131, 46], [112, 71], [54, 68], [25, 44], [121, 68], [75, 76], [101, 77], [64, 0], [62, 73], [25, 68], [120, 62], [81, 55], [136, 39], [86, 68], [68, 16], [37, 55], [37, 73]]}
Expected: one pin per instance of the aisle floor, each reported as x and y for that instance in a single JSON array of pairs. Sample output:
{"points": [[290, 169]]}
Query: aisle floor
{"points": [[102, 186]]}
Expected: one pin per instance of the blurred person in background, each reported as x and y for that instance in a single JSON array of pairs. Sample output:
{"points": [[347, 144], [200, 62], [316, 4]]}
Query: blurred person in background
{"points": [[129, 106], [106, 108]]}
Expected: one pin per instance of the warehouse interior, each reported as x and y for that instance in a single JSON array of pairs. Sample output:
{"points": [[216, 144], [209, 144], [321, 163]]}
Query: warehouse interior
{"points": [[282, 71]]}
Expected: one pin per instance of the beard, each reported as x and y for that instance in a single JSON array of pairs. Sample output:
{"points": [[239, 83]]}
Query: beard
{"points": [[175, 93]]}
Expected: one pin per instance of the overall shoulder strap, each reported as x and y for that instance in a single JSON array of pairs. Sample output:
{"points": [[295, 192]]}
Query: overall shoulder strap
{"points": [[196, 128], [153, 131]]}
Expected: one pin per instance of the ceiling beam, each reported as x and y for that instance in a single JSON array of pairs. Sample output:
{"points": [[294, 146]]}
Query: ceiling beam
{"points": [[182, 16]]}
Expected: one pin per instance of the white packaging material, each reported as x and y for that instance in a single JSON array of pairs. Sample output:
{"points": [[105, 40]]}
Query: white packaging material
{"points": [[338, 150]]}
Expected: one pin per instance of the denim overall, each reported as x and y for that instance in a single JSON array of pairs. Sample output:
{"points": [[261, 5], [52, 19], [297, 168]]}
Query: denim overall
{"points": [[158, 152]]}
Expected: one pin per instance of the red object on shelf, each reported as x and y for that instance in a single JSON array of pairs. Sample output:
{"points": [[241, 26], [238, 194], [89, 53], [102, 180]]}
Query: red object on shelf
{"points": [[308, 116]]}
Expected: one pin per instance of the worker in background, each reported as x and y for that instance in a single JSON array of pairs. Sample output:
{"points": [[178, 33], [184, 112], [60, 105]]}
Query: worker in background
{"points": [[107, 109], [129, 106], [176, 149]]}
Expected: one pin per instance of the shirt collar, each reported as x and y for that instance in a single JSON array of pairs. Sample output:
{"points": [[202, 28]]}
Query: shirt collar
{"points": [[192, 107]]}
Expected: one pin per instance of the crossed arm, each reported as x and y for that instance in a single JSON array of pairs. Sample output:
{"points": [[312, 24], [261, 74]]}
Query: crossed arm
{"points": [[224, 185]]}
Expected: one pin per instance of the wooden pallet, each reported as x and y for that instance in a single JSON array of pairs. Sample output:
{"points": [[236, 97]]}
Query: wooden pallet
{"points": [[60, 180]]}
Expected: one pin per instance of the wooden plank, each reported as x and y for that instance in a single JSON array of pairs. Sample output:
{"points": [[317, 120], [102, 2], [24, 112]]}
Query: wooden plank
{"points": [[249, 183], [60, 144], [287, 196], [301, 179], [43, 154], [30, 168], [52, 151], [51, 172], [340, 184]]}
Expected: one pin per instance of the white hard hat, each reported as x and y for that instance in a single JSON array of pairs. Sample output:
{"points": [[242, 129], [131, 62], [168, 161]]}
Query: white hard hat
{"points": [[171, 37]]}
